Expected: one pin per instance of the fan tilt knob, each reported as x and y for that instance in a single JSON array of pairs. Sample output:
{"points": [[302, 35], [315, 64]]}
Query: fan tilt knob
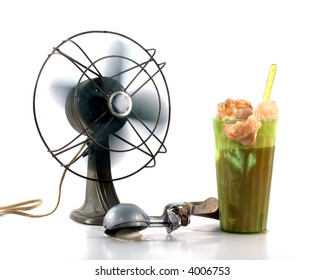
{"points": [[120, 104]]}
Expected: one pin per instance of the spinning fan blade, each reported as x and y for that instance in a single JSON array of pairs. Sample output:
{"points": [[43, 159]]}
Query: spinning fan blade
{"points": [[146, 106], [117, 64], [60, 91]]}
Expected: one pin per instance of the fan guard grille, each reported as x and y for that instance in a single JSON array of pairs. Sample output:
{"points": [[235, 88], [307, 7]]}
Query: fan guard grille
{"points": [[136, 144]]}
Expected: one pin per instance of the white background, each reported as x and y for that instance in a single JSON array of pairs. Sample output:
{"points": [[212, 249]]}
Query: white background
{"points": [[213, 50]]}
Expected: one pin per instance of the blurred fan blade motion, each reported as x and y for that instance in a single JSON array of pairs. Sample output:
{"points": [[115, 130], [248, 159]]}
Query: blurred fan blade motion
{"points": [[146, 106], [117, 64], [60, 89]]}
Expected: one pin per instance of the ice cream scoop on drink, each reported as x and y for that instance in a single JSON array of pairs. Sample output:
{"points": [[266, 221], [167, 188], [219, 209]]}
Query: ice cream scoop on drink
{"points": [[248, 121]]}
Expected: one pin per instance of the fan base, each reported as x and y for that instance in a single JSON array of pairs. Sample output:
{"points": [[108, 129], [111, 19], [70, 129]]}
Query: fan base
{"points": [[100, 197], [88, 216]]}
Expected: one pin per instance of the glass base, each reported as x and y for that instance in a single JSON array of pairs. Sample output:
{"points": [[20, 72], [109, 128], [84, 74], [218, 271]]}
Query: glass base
{"points": [[245, 232]]}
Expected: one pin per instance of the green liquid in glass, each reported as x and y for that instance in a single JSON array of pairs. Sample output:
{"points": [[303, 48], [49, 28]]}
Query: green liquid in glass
{"points": [[244, 175]]}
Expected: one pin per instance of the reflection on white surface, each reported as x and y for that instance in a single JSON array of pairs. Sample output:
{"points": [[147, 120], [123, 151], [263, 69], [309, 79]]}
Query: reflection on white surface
{"points": [[58, 239]]}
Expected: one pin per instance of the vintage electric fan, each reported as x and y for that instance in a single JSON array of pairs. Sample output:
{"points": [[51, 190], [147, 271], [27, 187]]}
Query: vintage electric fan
{"points": [[112, 106]]}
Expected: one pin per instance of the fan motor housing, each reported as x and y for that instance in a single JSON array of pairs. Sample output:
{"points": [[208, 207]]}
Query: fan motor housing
{"points": [[98, 107]]}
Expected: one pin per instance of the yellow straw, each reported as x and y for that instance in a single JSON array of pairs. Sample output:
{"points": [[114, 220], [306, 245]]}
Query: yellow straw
{"points": [[269, 83]]}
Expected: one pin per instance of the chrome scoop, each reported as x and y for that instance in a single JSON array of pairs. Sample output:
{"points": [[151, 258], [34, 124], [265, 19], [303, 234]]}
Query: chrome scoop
{"points": [[127, 216]]}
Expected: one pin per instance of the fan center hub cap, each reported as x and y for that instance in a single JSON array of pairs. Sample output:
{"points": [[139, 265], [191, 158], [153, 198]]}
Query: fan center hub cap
{"points": [[120, 104]]}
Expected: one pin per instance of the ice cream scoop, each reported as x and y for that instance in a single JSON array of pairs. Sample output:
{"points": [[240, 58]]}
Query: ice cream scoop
{"points": [[130, 216]]}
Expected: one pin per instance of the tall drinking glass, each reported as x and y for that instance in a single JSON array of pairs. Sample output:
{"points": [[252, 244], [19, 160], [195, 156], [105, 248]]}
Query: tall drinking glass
{"points": [[244, 176]]}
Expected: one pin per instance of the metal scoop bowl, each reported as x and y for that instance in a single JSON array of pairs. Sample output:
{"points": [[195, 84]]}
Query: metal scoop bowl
{"points": [[127, 216]]}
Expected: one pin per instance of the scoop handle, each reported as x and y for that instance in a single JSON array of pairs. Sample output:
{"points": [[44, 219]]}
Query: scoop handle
{"points": [[208, 208]]}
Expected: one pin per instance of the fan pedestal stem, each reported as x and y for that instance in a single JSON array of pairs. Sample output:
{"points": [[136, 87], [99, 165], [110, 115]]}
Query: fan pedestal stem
{"points": [[100, 195]]}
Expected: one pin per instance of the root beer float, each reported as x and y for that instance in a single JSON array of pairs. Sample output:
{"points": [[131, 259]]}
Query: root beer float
{"points": [[245, 146]]}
